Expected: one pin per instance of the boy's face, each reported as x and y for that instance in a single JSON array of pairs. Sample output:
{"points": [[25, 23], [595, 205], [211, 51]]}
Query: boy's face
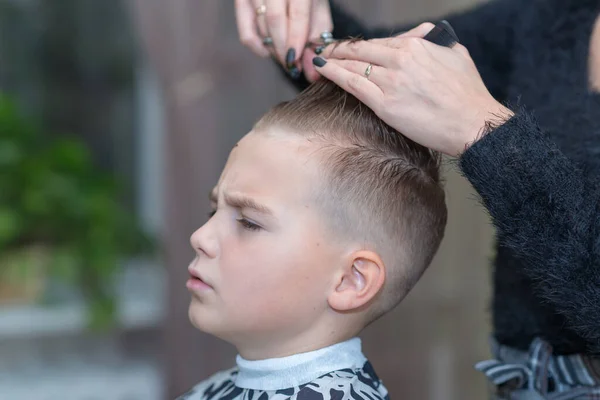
{"points": [[265, 258]]}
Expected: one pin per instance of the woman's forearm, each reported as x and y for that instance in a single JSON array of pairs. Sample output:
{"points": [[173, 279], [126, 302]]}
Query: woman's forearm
{"points": [[547, 213]]}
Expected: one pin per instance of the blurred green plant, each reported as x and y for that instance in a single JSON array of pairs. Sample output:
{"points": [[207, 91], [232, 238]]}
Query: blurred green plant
{"points": [[52, 197]]}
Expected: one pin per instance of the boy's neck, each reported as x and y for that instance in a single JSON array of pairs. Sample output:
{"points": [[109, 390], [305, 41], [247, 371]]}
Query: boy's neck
{"points": [[283, 348]]}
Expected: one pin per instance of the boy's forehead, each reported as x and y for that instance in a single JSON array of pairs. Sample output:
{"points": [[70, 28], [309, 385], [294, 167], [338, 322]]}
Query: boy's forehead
{"points": [[273, 146], [273, 158]]}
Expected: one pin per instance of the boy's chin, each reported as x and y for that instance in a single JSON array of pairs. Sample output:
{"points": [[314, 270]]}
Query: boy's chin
{"points": [[200, 317], [207, 320]]}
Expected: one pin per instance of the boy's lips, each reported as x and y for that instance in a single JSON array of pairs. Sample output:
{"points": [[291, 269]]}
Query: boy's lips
{"points": [[196, 282]]}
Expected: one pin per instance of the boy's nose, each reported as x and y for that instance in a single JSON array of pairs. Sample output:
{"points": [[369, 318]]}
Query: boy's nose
{"points": [[204, 241]]}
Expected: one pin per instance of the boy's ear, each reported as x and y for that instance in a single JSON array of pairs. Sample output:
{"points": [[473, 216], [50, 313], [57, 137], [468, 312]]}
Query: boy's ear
{"points": [[359, 282]]}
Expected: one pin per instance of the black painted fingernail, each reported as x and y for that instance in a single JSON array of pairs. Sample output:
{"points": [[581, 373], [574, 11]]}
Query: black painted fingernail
{"points": [[290, 57], [294, 73], [319, 62], [319, 49]]}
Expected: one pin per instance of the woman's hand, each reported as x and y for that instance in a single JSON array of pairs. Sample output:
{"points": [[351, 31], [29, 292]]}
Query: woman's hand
{"points": [[291, 24], [432, 94]]}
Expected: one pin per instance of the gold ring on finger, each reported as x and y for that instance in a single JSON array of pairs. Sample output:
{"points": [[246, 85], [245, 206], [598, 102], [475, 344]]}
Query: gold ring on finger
{"points": [[261, 10], [368, 70]]}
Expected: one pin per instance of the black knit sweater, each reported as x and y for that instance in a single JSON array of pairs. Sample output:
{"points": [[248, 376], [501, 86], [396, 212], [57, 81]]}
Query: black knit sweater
{"points": [[538, 175]]}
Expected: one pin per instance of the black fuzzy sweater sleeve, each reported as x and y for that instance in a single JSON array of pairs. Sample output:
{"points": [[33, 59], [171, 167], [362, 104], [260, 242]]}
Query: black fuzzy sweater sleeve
{"points": [[486, 31], [547, 212]]}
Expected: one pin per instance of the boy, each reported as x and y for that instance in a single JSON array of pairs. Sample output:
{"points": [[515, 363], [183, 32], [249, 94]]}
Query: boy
{"points": [[324, 219]]}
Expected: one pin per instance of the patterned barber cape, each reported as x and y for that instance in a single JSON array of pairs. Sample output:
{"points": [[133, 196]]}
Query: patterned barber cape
{"points": [[336, 372]]}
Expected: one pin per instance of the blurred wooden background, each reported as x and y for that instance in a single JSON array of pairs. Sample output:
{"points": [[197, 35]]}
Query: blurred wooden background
{"points": [[213, 91]]}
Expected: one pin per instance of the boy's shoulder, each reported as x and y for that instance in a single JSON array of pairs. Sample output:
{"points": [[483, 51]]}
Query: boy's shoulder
{"points": [[342, 384]]}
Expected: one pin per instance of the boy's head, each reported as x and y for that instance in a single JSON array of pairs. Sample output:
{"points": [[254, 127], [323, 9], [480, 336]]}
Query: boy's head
{"points": [[325, 219]]}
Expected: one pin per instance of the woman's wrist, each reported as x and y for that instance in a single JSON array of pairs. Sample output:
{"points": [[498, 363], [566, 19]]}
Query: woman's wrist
{"points": [[492, 117]]}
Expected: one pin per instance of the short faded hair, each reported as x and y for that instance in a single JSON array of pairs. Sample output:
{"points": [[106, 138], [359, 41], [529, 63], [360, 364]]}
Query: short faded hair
{"points": [[379, 187]]}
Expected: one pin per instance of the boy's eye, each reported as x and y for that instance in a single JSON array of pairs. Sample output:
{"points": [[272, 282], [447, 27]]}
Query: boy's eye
{"points": [[251, 226]]}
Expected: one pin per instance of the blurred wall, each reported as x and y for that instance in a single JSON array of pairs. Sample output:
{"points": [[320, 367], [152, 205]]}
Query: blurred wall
{"points": [[214, 89]]}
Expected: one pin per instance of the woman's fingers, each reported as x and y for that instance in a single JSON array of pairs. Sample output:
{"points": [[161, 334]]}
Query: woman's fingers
{"points": [[307, 66], [277, 25], [361, 50], [356, 84], [299, 15], [288, 24], [260, 10], [418, 31], [377, 74], [320, 21], [396, 40], [391, 42], [245, 15]]}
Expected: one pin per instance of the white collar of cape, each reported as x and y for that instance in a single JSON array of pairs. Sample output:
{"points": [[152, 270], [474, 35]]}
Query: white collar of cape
{"points": [[298, 369]]}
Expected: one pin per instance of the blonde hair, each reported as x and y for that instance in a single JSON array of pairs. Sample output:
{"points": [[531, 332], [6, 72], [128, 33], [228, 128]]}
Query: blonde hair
{"points": [[380, 187]]}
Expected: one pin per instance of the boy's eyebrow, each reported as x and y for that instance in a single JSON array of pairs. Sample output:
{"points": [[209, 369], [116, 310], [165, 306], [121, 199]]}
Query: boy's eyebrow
{"points": [[247, 202], [238, 201]]}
